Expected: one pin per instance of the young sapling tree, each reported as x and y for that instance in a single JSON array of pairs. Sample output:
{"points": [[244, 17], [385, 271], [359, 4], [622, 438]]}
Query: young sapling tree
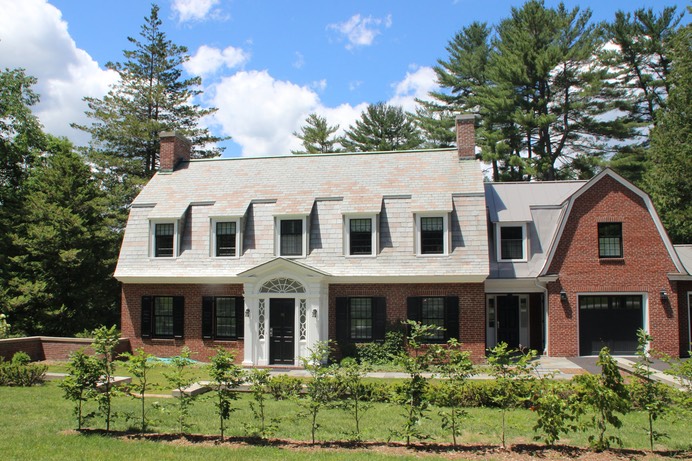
{"points": [[226, 376], [180, 379], [106, 340], [138, 365], [79, 385]]}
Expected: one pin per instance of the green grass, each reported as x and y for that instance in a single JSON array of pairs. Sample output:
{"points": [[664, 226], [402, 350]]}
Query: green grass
{"points": [[36, 423]]}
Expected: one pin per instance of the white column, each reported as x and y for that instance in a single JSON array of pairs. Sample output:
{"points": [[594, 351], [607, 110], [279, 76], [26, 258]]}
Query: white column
{"points": [[250, 330]]}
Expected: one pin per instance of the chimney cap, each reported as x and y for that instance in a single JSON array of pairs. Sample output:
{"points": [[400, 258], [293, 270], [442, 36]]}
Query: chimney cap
{"points": [[466, 117], [172, 134]]}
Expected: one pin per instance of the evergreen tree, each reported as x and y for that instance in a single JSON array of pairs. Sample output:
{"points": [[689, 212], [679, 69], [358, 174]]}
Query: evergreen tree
{"points": [[668, 178], [539, 90], [317, 136], [61, 281], [382, 127], [643, 62], [21, 139], [150, 97]]}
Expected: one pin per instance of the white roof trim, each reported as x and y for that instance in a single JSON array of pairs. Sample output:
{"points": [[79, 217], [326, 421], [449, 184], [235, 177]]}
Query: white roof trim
{"points": [[647, 201]]}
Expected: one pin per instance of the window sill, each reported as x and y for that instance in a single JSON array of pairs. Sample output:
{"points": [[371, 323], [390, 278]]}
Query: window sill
{"points": [[611, 261], [360, 256]]}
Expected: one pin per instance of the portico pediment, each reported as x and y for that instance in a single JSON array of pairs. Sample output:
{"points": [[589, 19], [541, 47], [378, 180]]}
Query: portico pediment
{"points": [[286, 266]]}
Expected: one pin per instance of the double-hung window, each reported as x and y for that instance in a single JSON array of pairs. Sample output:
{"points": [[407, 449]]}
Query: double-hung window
{"points": [[162, 316], [292, 237], [511, 242], [432, 235], [441, 312], [222, 317], [226, 241], [360, 319], [610, 240], [164, 240], [361, 236]]}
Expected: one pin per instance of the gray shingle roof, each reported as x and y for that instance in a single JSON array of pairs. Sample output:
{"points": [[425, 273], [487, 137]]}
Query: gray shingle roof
{"points": [[396, 185]]}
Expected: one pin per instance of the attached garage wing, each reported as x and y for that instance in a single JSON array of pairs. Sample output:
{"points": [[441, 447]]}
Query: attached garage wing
{"points": [[610, 320]]}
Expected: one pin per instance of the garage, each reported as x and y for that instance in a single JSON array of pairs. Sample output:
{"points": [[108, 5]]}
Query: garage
{"points": [[610, 320]]}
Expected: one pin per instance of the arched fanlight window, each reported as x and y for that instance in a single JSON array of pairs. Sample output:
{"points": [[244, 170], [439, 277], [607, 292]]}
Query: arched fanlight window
{"points": [[282, 285]]}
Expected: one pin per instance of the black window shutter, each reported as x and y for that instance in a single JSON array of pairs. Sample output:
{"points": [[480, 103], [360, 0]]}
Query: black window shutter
{"points": [[414, 308], [342, 325], [451, 317], [147, 301], [178, 316], [240, 317], [379, 317], [207, 317]]}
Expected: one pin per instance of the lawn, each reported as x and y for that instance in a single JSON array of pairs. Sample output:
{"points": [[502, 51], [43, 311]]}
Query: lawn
{"points": [[37, 423]]}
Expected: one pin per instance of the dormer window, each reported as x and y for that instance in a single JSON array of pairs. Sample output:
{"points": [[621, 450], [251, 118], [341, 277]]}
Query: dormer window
{"points": [[360, 236], [511, 242], [292, 237], [432, 235], [164, 239], [226, 238]]}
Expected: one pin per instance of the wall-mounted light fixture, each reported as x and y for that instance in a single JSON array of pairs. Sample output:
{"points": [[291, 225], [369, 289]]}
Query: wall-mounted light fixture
{"points": [[664, 295], [563, 295], [247, 312], [314, 313]]}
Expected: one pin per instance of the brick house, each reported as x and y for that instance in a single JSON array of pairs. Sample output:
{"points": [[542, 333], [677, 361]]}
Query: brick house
{"points": [[266, 256]]}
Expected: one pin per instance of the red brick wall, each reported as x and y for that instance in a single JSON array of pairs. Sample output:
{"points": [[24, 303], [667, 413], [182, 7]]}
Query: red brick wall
{"points": [[51, 348], [643, 268], [192, 337], [471, 306]]}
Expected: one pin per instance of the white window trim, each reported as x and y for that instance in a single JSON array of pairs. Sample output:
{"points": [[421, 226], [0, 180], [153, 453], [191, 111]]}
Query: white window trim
{"points": [[152, 237], [347, 234], [445, 236], [277, 235], [238, 236], [498, 241]]}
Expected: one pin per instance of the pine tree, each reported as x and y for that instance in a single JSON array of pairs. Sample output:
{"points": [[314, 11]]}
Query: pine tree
{"points": [[668, 178], [382, 127], [61, 281], [317, 136], [150, 97], [539, 90], [643, 60]]}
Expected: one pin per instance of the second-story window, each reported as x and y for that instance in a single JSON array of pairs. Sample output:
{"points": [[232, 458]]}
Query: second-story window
{"points": [[164, 240], [226, 238], [511, 243], [361, 236], [291, 237], [610, 240], [432, 235]]}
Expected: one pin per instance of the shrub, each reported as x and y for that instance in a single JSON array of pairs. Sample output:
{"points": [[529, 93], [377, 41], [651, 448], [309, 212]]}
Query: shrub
{"points": [[283, 387], [381, 353], [20, 373]]}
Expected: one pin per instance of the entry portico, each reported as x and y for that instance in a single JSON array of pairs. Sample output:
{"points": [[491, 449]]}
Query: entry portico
{"points": [[285, 312]]}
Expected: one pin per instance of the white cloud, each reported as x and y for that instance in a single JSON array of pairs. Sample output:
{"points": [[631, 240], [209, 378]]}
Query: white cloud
{"points": [[261, 113], [319, 85], [207, 60], [359, 31], [416, 84], [195, 10], [299, 61], [35, 37]]}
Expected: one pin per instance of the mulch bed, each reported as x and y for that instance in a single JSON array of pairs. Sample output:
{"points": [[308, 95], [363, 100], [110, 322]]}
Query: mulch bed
{"points": [[519, 452]]}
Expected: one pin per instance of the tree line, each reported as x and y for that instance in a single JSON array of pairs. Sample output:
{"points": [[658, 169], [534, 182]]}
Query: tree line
{"points": [[558, 97]]}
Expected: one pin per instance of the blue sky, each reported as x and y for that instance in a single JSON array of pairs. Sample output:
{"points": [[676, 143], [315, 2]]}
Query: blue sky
{"points": [[265, 64]]}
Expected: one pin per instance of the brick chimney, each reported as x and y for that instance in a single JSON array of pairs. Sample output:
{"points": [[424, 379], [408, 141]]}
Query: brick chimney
{"points": [[175, 148], [466, 136]]}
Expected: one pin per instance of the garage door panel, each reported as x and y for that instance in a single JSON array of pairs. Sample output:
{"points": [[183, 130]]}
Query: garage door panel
{"points": [[610, 321]]}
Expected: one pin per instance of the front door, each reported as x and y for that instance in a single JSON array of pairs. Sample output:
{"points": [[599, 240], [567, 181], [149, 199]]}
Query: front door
{"points": [[281, 331], [508, 320]]}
